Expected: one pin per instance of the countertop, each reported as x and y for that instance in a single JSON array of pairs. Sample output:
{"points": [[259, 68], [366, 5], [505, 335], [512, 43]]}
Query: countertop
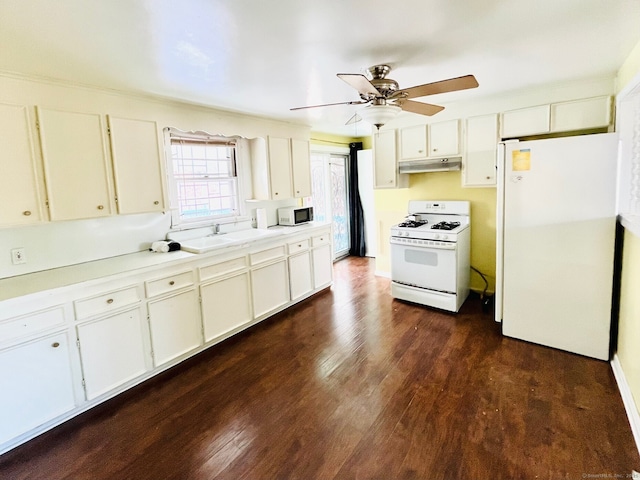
{"points": [[13, 287]]}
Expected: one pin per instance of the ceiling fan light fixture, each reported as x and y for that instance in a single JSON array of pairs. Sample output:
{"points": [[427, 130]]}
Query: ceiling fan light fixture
{"points": [[378, 115]]}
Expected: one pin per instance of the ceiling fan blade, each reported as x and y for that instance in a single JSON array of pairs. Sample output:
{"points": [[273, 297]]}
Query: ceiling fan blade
{"points": [[360, 83], [443, 86], [419, 107], [355, 119], [328, 105]]}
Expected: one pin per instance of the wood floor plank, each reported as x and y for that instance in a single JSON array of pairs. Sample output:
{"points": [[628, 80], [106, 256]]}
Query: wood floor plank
{"points": [[352, 384]]}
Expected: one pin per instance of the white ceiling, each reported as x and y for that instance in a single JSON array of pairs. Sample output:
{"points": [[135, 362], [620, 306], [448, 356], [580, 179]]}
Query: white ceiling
{"points": [[264, 57]]}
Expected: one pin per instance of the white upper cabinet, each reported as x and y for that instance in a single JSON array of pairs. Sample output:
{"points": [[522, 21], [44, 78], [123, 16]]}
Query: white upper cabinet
{"points": [[581, 114], [75, 164], [444, 139], [479, 162], [280, 175], [413, 142], [280, 168], [301, 165], [21, 200], [385, 164], [526, 121], [441, 139], [137, 165]]}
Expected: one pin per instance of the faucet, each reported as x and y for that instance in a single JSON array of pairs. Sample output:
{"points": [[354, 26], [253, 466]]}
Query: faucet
{"points": [[216, 230]]}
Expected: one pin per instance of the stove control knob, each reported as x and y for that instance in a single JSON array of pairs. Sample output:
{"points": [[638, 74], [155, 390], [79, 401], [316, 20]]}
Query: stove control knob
{"points": [[444, 237], [436, 236]]}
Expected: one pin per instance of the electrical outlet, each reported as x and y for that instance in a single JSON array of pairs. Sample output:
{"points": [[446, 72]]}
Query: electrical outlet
{"points": [[18, 256]]}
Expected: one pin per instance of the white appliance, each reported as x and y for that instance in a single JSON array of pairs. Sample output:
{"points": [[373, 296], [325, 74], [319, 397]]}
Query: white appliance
{"points": [[291, 216], [555, 241], [430, 254]]}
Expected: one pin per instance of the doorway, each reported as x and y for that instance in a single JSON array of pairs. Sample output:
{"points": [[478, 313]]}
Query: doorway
{"points": [[329, 174]]}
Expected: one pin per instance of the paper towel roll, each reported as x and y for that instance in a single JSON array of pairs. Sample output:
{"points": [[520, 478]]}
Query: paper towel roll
{"points": [[261, 218]]}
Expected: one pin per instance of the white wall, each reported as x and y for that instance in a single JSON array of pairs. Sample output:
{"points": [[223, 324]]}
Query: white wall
{"points": [[55, 244]]}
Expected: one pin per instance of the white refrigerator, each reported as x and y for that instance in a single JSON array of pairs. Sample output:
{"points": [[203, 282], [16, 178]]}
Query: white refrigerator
{"points": [[556, 221]]}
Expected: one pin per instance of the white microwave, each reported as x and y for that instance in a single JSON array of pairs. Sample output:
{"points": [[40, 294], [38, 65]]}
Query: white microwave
{"points": [[295, 215]]}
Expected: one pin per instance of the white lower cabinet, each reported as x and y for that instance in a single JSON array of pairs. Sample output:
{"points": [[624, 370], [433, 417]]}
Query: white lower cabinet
{"points": [[37, 384], [113, 350], [270, 287], [300, 280], [322, 266], [126, 328], [175, 326], [226, 305]]}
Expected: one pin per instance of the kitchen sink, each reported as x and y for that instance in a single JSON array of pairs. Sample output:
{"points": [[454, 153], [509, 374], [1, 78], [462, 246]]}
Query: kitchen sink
{"points": [[250, 234], [205, 244], [221, 240]]}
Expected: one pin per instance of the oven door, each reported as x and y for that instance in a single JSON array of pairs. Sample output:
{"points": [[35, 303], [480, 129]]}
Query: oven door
{"points": [[424, 263]]}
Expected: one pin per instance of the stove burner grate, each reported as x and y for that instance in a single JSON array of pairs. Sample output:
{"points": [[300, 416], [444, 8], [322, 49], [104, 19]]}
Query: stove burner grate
{"points": [[445, 225], [412, 223]]}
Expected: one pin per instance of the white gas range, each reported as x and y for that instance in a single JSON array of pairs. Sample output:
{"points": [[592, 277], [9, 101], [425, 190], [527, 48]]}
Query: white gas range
{"points": [[430, 254]]}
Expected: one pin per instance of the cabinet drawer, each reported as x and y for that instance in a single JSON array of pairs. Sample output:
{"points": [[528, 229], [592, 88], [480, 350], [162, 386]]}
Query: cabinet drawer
{"points": [[32, 323], [267, 255], [320, 240], [223, 268], [299, 246], [169, 284], [106, 302]]}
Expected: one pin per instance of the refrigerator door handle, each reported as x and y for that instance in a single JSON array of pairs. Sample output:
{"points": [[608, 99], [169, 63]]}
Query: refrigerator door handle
{"points": [[500, 178]]}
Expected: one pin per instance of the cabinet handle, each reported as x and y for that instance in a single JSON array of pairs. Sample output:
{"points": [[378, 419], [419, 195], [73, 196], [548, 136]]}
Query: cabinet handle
{"points": [[100, 207], [26, 213], [172, 282], [435, 149], [55, 344], [156, 202], [110, 301]]}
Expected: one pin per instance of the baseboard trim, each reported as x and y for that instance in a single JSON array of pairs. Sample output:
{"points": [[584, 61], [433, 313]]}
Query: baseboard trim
{"points": [[627, 399]]}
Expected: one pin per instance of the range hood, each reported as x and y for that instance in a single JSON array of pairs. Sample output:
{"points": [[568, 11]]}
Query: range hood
{"points": [[431, 165]]}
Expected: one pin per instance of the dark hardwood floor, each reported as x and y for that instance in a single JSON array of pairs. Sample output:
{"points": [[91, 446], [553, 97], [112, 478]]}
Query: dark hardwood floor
{"points": [[352, 384]]}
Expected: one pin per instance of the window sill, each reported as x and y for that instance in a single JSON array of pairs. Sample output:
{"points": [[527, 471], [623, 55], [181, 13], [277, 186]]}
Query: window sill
{"points": [[631, 223]]}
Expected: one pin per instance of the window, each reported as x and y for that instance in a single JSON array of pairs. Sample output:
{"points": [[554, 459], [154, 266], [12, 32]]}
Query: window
{"points": [[204, 178]]}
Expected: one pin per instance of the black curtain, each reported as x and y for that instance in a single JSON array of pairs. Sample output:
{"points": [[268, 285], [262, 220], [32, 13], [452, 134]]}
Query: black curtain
{"points": [[358, 247]]}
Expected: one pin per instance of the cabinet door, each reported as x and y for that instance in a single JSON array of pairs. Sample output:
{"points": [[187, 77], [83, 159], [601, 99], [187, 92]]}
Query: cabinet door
{"points": [[37, 384], [112, 350], [75, 164], [300, 279], [280, 168], [20, 199], [413, 142], [444, 138], [136, 156], [219, 314], [322, 266], [270, 287], [384, 161], [526, 121], [175, 326], [581, 114], [479, 162], [301, 164]]}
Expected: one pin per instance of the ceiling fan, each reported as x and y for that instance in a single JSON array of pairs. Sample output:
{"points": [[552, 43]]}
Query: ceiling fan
{"points": [[385, 99]]}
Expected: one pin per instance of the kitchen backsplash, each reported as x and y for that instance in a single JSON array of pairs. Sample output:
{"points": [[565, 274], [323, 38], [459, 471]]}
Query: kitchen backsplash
{"points": [[58, 244]]}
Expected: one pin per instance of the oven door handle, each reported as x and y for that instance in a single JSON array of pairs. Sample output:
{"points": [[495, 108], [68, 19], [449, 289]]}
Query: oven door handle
{"points": [[432, 244]]}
